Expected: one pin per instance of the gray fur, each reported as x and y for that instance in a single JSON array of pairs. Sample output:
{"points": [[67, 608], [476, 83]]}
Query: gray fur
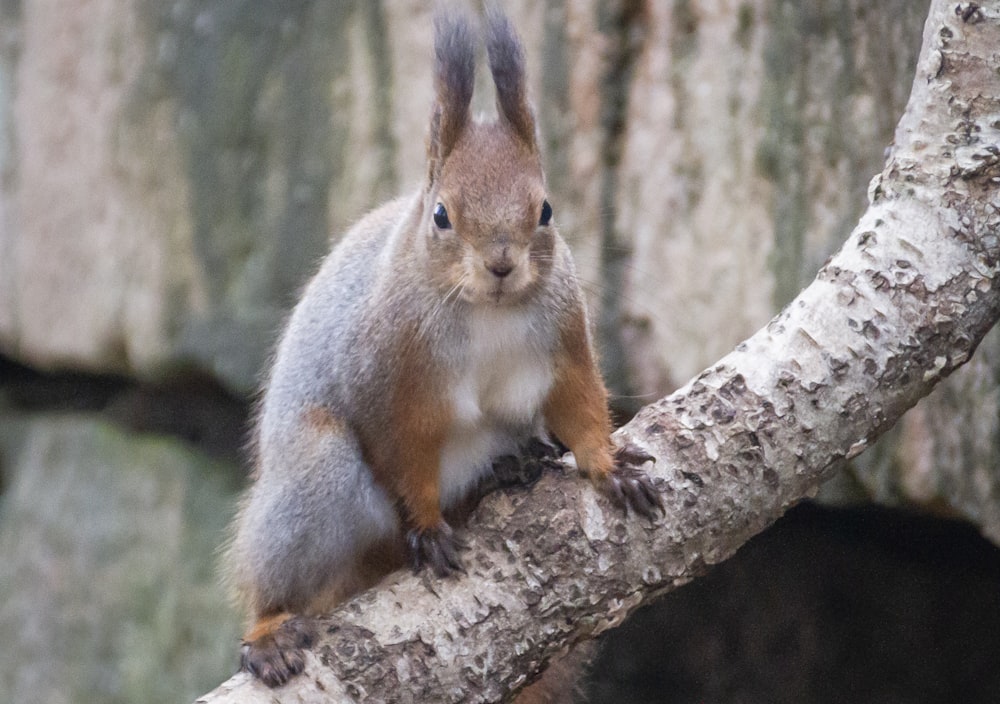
{"points": [[314, 504]]}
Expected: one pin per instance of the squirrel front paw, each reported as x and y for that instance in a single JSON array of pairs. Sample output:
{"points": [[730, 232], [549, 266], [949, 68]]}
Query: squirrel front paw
{"points": [[278, 654], [526, 467], [630, 487], [436, 547]]}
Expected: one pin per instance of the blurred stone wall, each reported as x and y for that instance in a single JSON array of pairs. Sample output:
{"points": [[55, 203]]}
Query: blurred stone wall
{"points": [[171, 173]]}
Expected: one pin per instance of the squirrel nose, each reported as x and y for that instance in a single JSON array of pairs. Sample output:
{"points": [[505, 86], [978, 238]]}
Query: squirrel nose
{"points": [[500, 269]]}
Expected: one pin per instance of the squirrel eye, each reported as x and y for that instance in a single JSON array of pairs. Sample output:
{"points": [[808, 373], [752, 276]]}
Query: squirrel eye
{"points": [[441, 217], [546, 214]]}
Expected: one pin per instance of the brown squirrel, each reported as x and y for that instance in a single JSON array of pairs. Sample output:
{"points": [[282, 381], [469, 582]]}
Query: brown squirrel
{"points": [[446, 329]]}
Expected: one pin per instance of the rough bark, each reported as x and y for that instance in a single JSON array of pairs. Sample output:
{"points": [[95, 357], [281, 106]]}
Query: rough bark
{"points": [[905, 301]]}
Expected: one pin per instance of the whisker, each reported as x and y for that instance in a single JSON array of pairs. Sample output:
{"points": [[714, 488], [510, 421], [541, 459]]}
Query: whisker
{"points": [[426, 325], [597, 289], [646, 397], [453, 294]]}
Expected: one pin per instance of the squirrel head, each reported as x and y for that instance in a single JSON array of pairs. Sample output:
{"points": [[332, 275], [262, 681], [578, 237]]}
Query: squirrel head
{"points": [[487, 220]]}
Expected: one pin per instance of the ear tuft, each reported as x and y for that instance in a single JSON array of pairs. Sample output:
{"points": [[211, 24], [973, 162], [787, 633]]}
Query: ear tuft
{"points": [[506, 56], [454, 76]]}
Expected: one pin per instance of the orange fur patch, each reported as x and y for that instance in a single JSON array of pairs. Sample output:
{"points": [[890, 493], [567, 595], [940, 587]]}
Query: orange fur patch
{"points": [[576, 409], [322, 420], [405, 454], [265, 626]]}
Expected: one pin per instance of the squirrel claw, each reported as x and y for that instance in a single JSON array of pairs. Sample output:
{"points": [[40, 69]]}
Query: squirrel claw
{"points": [[278, 656], [633, 455], [436, 548], [629, 487]]}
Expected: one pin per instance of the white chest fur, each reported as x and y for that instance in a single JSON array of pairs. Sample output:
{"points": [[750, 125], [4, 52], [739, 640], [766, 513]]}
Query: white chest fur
{"points": [[498, 394]]}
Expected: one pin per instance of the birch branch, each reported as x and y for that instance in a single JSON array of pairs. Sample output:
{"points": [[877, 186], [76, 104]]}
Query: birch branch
{"points": [[904, 303]]}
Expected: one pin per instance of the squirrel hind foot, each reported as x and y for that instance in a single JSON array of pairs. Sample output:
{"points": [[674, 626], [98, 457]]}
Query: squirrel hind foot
{"points": [[274, 651]]}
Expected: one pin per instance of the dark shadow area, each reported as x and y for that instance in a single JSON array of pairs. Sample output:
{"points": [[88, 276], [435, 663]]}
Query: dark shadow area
{"points": [[188, 405], [828, 606]]}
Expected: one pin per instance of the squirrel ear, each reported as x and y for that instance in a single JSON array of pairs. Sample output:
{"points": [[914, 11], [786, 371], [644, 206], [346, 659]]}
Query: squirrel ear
{"points": [[454, 75], [506, 55]]}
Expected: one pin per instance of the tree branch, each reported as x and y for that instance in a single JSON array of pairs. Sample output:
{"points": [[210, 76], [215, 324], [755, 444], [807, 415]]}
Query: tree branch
{"points": [[904, 302]]}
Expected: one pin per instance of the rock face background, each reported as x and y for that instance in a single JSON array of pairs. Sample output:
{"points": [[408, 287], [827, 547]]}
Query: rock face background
{"points": [[171, 173]]}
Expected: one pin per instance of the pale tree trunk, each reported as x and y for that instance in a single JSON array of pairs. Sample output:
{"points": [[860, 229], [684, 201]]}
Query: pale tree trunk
{"points": [[749, 135], [906, 300]]}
